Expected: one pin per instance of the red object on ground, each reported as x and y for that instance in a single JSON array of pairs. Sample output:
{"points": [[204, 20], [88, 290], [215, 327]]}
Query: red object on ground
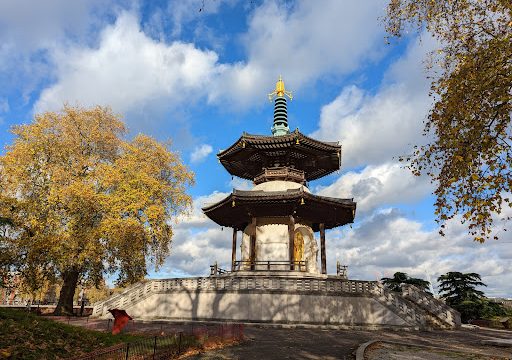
{"points": [[121, 318]]}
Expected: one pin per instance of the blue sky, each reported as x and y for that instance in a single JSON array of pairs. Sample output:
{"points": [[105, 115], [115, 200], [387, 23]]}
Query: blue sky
{"points": [[200, 78]]}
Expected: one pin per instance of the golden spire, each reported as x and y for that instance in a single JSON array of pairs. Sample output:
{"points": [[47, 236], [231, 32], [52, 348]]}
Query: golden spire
{"points": [[280, 91]]}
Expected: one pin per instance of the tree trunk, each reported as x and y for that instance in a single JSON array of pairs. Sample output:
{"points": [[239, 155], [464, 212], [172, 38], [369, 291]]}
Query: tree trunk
{"points": [[67, 292]]}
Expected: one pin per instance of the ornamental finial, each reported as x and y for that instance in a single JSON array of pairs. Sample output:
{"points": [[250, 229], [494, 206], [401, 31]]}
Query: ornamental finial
{"points": [[280, 91]]}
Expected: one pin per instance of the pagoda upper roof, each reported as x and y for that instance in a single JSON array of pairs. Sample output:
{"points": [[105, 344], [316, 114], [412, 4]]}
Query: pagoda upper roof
{"points": [[247, 157], [237, 209]]}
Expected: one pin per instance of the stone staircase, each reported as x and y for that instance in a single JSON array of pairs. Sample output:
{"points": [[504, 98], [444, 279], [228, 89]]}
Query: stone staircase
{"points": [[439, 314], [125, 299], [403, 308], [418, 307]]}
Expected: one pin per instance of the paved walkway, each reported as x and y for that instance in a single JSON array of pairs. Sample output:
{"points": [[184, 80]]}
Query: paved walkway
{"points": [[288, 343], [388, 351], [272, 343]]}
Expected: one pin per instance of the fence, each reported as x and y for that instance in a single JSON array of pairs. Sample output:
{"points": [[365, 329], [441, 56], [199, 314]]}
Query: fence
{"points": [[44, 309], [166, 347]]}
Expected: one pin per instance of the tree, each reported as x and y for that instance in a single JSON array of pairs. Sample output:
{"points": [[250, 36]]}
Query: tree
{"points": [[492, 309], [97, 293], [469, 156], [6, 255], [457, 287], [459, 292], [85, 201], [399, 278]]}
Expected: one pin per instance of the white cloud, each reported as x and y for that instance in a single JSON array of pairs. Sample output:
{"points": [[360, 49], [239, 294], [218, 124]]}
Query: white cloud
{"points": [[31, 30], [241, 184], [128, 70], [378, 185], [388, 242], [192, 252], [200, 153], [197, 218], [376, 128], [32, 25], [198, 242], [303, 42]]}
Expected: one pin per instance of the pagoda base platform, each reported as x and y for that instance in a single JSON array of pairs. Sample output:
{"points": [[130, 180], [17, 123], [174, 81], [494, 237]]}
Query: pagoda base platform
{"points": [[284, 300]]}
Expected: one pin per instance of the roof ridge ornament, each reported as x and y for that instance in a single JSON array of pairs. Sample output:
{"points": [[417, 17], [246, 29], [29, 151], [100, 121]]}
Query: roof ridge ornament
{"points": [[280, 90]]}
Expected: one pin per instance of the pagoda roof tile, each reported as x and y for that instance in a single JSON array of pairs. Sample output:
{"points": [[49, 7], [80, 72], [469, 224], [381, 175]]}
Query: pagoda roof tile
{"points": [[247, 157], [237, 209]]}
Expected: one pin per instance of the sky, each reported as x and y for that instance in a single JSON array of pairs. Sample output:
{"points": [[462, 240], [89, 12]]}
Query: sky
{"points": [[198, 73]]}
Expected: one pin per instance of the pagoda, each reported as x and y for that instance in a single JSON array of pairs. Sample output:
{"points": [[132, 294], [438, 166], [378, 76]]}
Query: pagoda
{"points": [[278, 218], [276, 278]]}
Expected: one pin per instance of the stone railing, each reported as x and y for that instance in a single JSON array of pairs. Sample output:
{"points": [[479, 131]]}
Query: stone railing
{"points": [[240, 283], [280, 173], [432, 305], [270, 265], [121, 300], [402, 307], [265, 283]]}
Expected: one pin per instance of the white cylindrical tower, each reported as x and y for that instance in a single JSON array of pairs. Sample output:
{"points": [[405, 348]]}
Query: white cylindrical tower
{"points": [[273, 236]]}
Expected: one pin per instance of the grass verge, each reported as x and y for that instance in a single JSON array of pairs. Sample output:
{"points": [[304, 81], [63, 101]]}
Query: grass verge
{"points": [[28, 336]]}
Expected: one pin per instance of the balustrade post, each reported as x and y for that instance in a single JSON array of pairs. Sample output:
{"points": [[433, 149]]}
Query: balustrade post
{"points": [[252, 251], [291, 230], [233, 251], [322, 248]]}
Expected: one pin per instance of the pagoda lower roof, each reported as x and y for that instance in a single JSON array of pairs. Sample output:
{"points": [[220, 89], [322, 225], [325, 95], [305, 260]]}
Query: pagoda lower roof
{"points": [[238, 209], [247, 157]]}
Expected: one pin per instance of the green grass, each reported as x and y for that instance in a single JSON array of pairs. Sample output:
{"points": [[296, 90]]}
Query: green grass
{"points": [[28, 336]]}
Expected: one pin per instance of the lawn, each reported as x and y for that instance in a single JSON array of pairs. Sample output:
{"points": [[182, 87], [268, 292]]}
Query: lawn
{"points": [[28, 336]]}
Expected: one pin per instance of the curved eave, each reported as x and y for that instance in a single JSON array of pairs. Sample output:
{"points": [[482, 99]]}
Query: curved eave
{"points": [[316, 209], [237, 159], [284, 140]]}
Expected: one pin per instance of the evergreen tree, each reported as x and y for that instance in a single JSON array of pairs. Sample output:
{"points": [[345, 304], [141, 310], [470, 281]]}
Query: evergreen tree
{"points": [[459, 292], [400, 278], [458, 287]]}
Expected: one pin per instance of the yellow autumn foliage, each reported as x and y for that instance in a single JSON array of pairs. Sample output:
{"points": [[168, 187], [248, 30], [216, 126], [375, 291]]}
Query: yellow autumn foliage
{"points": [[469, 151], [85, 200]]}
